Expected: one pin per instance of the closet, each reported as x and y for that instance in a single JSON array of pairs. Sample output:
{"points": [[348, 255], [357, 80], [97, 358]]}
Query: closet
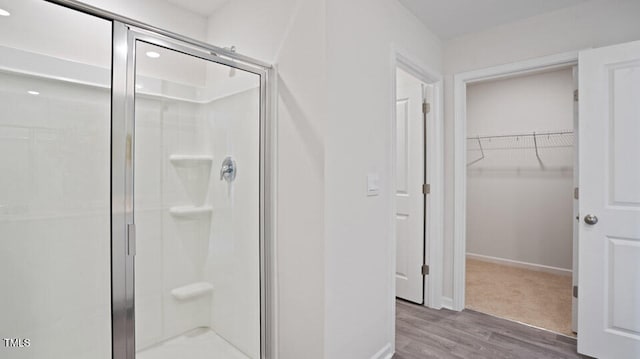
{"points": [[520, 198]]}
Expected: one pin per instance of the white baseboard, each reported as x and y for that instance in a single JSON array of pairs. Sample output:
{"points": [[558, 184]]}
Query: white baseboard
{"points": [[518, 264], [384, 353], [447, 303]]}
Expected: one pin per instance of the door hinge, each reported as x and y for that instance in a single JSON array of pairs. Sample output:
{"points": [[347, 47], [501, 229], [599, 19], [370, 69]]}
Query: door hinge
{"points": [[426, 188], [426, 107], [575, 291], [576, 193], [425, 269], [131, 239], [576, 95]]}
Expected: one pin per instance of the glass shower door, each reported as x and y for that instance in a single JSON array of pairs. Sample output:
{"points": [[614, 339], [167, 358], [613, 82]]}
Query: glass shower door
{"points": [[196, 207], [54, 182]]}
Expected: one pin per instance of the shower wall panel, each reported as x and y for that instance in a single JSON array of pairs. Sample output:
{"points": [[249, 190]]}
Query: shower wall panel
{"points": [[233, 265], [54, 218], [219, 247], [170, 253], [55, 294]]}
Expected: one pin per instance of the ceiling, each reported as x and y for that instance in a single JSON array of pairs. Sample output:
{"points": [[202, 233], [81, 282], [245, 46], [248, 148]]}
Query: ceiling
{"points": [[201, 7], [451, 18]]}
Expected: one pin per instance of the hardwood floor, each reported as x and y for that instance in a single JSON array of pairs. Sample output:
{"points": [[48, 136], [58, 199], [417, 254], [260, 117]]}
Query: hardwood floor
{"points": [[428, 333]]}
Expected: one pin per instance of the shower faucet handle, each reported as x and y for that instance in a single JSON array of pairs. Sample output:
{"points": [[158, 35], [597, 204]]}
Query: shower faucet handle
{"points": [[228, 170]]}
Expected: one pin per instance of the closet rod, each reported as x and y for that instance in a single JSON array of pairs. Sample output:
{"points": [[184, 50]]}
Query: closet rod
{"points": [[532, 134]]}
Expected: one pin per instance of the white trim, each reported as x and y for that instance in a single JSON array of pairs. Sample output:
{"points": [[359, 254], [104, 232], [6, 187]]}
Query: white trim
{"points": [[274, 289], [391, 291], [447, 303], [520, 264], [539, 64], [460, 156], [385, 353]]}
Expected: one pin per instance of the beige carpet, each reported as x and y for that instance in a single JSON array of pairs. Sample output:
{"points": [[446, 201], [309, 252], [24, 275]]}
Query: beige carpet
{"points": [[536, 298]]}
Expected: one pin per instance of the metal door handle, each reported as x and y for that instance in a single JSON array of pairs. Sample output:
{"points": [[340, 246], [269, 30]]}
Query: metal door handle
{"points": [[590, 219]]}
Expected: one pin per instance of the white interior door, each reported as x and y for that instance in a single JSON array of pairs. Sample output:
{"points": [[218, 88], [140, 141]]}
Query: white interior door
{"points": [[609, 252], [409, 196]]}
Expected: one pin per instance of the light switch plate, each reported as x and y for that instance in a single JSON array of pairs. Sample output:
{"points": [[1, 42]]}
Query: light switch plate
{"points": [[373, 184]]}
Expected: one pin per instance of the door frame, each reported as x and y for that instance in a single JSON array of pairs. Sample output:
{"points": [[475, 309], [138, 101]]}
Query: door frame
{"points": [[433, 215], [461, 80]]}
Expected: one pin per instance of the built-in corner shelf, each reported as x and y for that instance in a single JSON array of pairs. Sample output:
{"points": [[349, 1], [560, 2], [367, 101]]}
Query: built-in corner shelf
{"points": [[190, 211], [190, 160], [193, 290]]}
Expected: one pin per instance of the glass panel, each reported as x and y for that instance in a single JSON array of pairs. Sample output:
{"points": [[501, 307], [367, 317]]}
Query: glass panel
{"points": [[197, 216], [55, 299]]}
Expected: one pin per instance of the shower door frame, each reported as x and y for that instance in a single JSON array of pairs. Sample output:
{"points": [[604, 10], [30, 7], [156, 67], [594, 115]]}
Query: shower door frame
{"points": [[125, 38], [125, 33]]}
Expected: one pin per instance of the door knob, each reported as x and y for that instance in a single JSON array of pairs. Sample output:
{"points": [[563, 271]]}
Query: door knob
{"points": [[590, 219]]}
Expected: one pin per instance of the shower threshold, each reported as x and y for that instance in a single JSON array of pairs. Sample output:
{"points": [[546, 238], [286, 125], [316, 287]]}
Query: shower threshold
{"points": [[200, 343]]}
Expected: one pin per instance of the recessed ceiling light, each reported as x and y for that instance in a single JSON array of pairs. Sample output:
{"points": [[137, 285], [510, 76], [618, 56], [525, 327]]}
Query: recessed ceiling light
{"points": [[153, 54], [4, 12], [31, 92]]}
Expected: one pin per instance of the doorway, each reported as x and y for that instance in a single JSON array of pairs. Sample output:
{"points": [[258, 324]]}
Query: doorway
{"points": [[520, 198], [417, 183], [412, 113], [516, 170], [607, 251]]}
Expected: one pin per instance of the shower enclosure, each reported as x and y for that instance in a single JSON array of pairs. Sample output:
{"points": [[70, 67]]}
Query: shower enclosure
{"points": [[133, 217]]}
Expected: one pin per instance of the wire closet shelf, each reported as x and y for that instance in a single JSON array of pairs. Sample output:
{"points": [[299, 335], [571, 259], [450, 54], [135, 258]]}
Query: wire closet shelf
{"points": [[534, 141]]}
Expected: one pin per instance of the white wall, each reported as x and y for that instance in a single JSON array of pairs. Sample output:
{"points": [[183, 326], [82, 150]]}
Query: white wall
{"points": [[263, 30], [518, 209], [334, 284], [362, 35], [592, 24], [301, 128]]}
